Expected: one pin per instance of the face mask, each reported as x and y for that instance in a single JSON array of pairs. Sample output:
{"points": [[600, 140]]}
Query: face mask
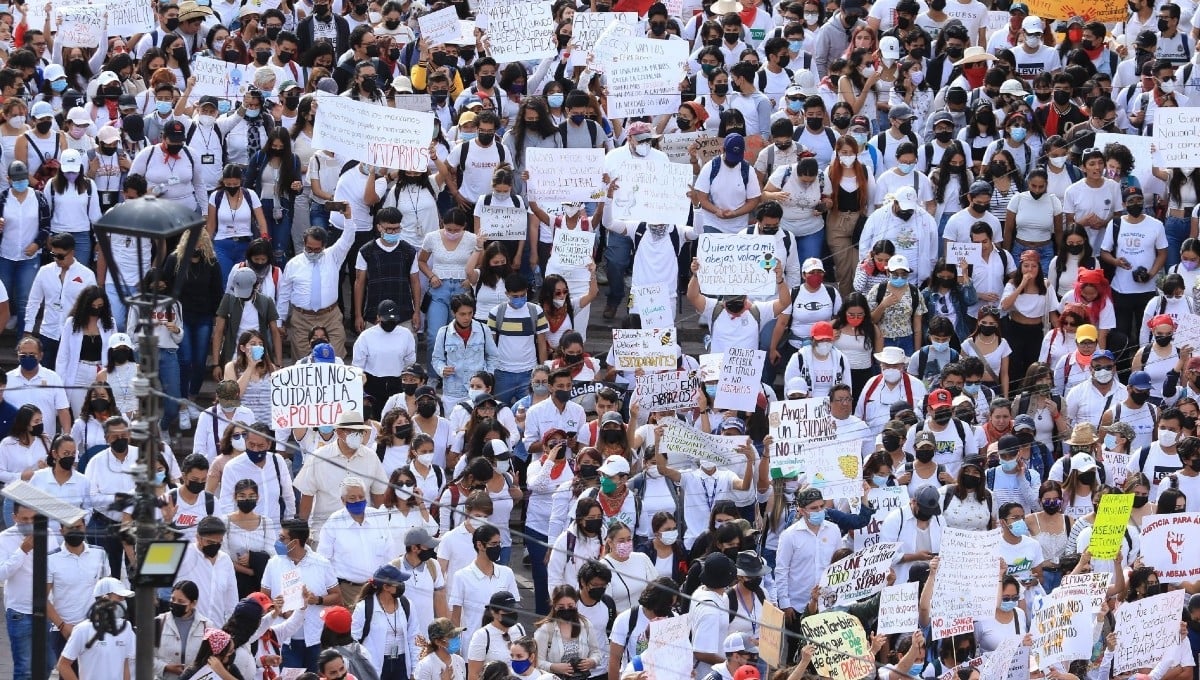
{"points": [[794, 106], [120, 445], [846, 160], [357, 507], [555, 100], [22, 185], [814, 124], [223, 106], [1019, 528], [735, 306], [1033, 41], [210, 551], [247, 505], [1009, 465], [906, 128], [172, 23], [941, 346], [75, 538], [669, 537], [455, 646], [708, 467], [891, 375], [493, 553], [905, 215], [898, 281], [944, 136], [485, 138], [1061, 97], [253, 113], [987, 330], [879, 480], [1165, 438], [721, 90], [518, 302], [816, 518], [1008, 605], [924, 455], [354, 440], [1139, 398], [823, 348], [923, 515], [624, 549], [890, 442], [256, 457], [1017, 134], [1088, 477], [942, 417], [43, 126], [860, 137], [608, 485], [522, 666], [426, 409]]}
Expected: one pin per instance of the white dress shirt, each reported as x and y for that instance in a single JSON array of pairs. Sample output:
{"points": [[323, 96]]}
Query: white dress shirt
{"points": [[58, 290], [16, 571], [545, 416], [472, 590], [274, 480], [216, 580], [72, 577], [356, 549], [316, 573], [803, 556], [322, 479], [77, 490], [109, 477], [295, 289]]}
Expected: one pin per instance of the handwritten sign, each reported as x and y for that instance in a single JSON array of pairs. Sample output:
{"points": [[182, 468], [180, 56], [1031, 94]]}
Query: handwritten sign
{"points": [[439, 27], [292, 590], [1060, 629], [1006, 661], [1187, 331], [668, 654], [609, 45], [959, 590], [503, 222], [217, 78], [898, 609], [573, 247], [643, 104], [644, 78], [997, 19], [741, 379], [1171, 544], [1106, 11], [668, 390], [794, 423], [653, 304], [1146, 630], [858, 576], [130, 18], [710, 366], [654, 192], [650, 349], [676, 145], [709, 148], [737, 264], [520, 30], [414, 102], [1108, 531], [1116, 468], [310, 395], [835, 468], [842, 652], [700, 446], [958, 250], [82, 26], [565, 175], [884, 500], [373, 134], [586, 28], [770, 634], [1177, 136]]}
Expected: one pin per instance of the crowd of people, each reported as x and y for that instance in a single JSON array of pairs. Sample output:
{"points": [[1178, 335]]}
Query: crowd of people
{"points": [[977, 269]]}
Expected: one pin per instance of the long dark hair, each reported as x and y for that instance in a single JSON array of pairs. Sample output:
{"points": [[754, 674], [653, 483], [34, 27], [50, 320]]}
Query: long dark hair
{"points": [[59, 184], [1086, 259], [83, 305], [945, 171], [867, 327], [302, 111], [21, 424], [1176, 183], [560, 591], [1040, 281], [544, 127], [493, 276], [546, 295], [287, 159]]}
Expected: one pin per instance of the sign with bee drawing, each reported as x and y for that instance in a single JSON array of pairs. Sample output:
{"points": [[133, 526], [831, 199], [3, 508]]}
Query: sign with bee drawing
{"points": [[650, 349], [835, 468], [654, 192]]}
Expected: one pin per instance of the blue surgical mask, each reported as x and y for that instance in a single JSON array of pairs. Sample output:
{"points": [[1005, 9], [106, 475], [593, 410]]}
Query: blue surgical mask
{"points": [[223, 106], [357, 507], [59, 86], [710, 390], [253, 113], [1017, 134], [795, 45], [325, 429], [1009, 465], [467, 136], [1008, 605], [860, 137], [971, 389], [898, 281], [280, 547], [941, 346], [518, 301], [160, 478], [1019, 528], [391, 239], [795, 106], [554, 100], [1110, 442], [163, 108], [816, 518], [455, 645], [257, 352], [879, 480], [20, 184], [907, 167], [916, 670]]}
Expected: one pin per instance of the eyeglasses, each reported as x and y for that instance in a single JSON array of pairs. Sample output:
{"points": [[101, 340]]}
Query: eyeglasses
{"points": [[1010, 598], [58, 256]]}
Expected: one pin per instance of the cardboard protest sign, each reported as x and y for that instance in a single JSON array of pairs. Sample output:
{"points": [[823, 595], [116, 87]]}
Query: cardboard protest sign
{"points": [[884, 500], [1146, 630], [653, 304], [1009, 661], [217, 78], [898, 609], [310, 395], [520, 30], [1108, 531], [439, 27], [668, 654], [709, 148], [503, 222], [565, 175], [676, 145], [741, 379], [642, 104], [610, 45], [82, 26], [1061, 631], [370, 133], [959, 590], [737, 264], [1187, 334], [644, 78], [127, 19], [668, 390], [654, 192], [1171, 544], [1106, 11], [842, 649], [858, 576], [796, 423], [573, 247], [700, 446], [650, 349], [770, 634], [835, 468], [414, 102], [586, 28], [1116, 468], [1177, 136], [997, 19], [958, 250]]}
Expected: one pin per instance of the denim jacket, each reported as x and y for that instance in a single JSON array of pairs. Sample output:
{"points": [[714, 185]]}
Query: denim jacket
{"points": [[477, 353], [963, 297]]}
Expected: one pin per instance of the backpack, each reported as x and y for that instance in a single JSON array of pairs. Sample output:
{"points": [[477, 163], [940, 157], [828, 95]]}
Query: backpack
{"points": [[881, 140], [715, 167], [761, 78], [720, 307], [637, 484], [883, 291], [220, 139], [958, 427], [534, 312], [91, 186], [488, 645], [611, 605], [369, 611], [593, 130], [462, 160], [633, 617], [787, 174], [733, 601], [991, 480], [923, 362], [210, 501]]}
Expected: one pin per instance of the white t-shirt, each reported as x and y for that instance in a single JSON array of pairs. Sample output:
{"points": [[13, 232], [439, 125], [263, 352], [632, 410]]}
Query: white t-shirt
{"points": [[700, 491], [1139, 243], [1083, 200], [101, 660], [234, 222], [973, 15], [1035, 217], [728, 192], [740, 331]]}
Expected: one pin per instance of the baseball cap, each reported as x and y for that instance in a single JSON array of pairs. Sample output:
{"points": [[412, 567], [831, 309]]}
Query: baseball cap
{"points": [[898, 263], [174, 132], [940, 399], [110, 586], [400, 84], [1019, 7], [425, 391], [108, 135], [241, 283], [942, 117], [1086, 332], [821, 330], [613, 418], [71, 160], [79, 117], [502, 599], [795, 385], [719, 571], [614, 465], [812, 264], [889, 47], [1024, 422], [41, 110], [739, 642], [415, 370], [1082, 462], [389, 573], [1014, 87], [927, 499], [1009, 443], [901, 112], [733, 424], [120, 340], [388, 311], [1032, 24], [735, 148], [323, 353], [979, 187], [337, 619], [1103, 354], [906, 197], [443, 628], [1140, 380], [747, 672], [1130, 192], [420, 536], [641, 131], [925, 438], [107, 77], [208, 100], [1147, 39]]}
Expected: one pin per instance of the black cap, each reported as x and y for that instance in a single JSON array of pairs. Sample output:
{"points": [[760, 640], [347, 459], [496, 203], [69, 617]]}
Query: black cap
{"points": [[425, 391], [416, 370], [483, 398], [719, 571], [18, 170], [504, 600], [126, 101], [387, 311], [210, 526], [174, 132], [208, 100], [1147, 39], [1130, 192]]}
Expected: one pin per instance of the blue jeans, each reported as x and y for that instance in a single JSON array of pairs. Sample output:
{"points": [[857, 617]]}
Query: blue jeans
{"points": [[298, 655], [809, 246], [535, 545], [120, 313], [17, 276], [279, 229], [942, 232], [1178, 229], [318, 215], [20, 640], [193, 354], [1045, 253], [83, 247], [619, 254], [905, 343], [439, 309], [229, 253], [168, 373], [511, 386]]}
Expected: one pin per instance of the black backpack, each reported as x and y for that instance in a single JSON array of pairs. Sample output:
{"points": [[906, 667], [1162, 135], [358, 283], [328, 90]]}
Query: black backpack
{"points": [[369, 611]]}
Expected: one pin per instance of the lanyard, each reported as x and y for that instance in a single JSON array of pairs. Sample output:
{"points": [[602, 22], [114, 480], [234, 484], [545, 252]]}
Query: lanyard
{"points": [[748, 607], [709, 498]]}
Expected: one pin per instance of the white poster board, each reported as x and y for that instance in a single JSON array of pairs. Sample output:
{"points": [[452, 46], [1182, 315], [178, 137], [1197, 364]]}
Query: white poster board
{"points": [[565, 175], [82, 26], [314, 394], [586, 28], [650, 349], [700, 446], [292, 590], [1146, 630], [573, 247], [1171, 544], [959, 250], [503, 222], [370, 133], [835, 468], [130, 18], [1177, 136], [1187, 332], [741, 379], [898, 609], [217, 78], [676, 145], [668, 655], [857, 576], [1139, 146], [960, 590], [520, 30], [653, 304], [737, 264], [668, 390], [654, 192], [440, 27]]}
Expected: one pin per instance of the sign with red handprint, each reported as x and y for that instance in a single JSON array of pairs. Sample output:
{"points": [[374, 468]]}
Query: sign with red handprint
{"points": [[1088, 10], [1171, 544]]}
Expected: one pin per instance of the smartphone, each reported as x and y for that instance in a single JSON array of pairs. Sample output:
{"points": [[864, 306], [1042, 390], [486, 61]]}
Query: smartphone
{"points": [[335, 206]]}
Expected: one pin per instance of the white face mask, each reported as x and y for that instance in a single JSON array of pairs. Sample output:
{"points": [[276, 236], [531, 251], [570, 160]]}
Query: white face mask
{"points": [[205, 120], [868, 71], [572, 209], [891, 375], [238, 444], [425, 459], [1058, 162], [811, 18], [1033, 42], [669, 537], [1167, 437], [354, 440], [559, 302], [1102, 375], [888, 61], [823, 348], [847, 160], [1167, 87], [708, 468], [503, 465]]}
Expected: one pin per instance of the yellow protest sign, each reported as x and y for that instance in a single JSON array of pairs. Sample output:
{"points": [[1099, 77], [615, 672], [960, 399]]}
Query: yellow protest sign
{"points": [[842, 649], [1089, 10], [1109, 528]]}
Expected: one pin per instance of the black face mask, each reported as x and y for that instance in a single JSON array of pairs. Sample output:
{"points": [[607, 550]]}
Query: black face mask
{"points": [[389, 325], [924, 455], [211, 550], [721, 90], [43, 126], [409, 388], [1088, 477], [247, 505], [99, 405], [906, 127], [942, 417], [1076, 249], [391, 24], [1138, 500], [923, 515], [66, 462], [195, 486], [814, 124], [938, 5], [1163, 340], [507, 619], [372, 51], [954, 53], [426, 409], [172, 23], [120, 445], [596, 593], [568, 615], [1061, 97], [231, 55], [591, 526], [261, 57], [426, 554], [905, 215], [970, 482], [180, 54], [1134, 209], [321, 10], [588, 471], [841, 122], [612, 436], [943, 136], [562, 396], [1163, 25], [735, 306], [486, 138], [980, 207], [493, 553], [75, 538], [37, 430], [1139, 398], [997, 169], [178, 610], [891, 442], [487, 82]]}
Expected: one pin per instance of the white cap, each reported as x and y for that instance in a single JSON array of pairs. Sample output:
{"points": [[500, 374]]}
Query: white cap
{"points": [[110, 586], [119, 340], [53, 72], [898, 263], [1032, 24], [795, 385], [806, 80], [614, 465], [1014, 87], [71, 160], [812, 264], [891, 355], [1082, 462], [107, 77], [79, 117], [889, 47], [906, 196]]}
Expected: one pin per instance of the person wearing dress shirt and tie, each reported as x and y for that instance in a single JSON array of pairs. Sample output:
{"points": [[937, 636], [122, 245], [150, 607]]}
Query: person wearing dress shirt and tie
{"points": [[55, 288], [309, 289], [356, 539]]}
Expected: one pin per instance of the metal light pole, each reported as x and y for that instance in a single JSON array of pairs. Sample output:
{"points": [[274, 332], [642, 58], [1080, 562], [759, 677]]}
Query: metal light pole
{"points": [[157, 221]]}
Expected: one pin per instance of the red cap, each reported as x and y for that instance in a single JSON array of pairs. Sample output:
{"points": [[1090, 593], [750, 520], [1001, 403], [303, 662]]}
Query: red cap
{"points": [[822, 330], [262, 599], [746, 672], [940, 398], [337, 619], [1161, 320]]}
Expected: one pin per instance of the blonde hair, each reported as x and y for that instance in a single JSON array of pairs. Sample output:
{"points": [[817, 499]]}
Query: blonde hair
{"points": [[204, 246]]}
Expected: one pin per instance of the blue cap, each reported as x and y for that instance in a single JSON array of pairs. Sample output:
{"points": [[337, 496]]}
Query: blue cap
{"points": [[734, 424], [390, 574], [323, 353], [1103, 354], [1139, 380], [735, 148]]}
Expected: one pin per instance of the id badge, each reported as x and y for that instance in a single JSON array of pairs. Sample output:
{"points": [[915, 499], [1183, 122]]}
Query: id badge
{"points": [[208, 159], [392, 650], [172, 181]]}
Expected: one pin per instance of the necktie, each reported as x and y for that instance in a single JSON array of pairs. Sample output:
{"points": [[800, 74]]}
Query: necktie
{"points": [[314, 291]]}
